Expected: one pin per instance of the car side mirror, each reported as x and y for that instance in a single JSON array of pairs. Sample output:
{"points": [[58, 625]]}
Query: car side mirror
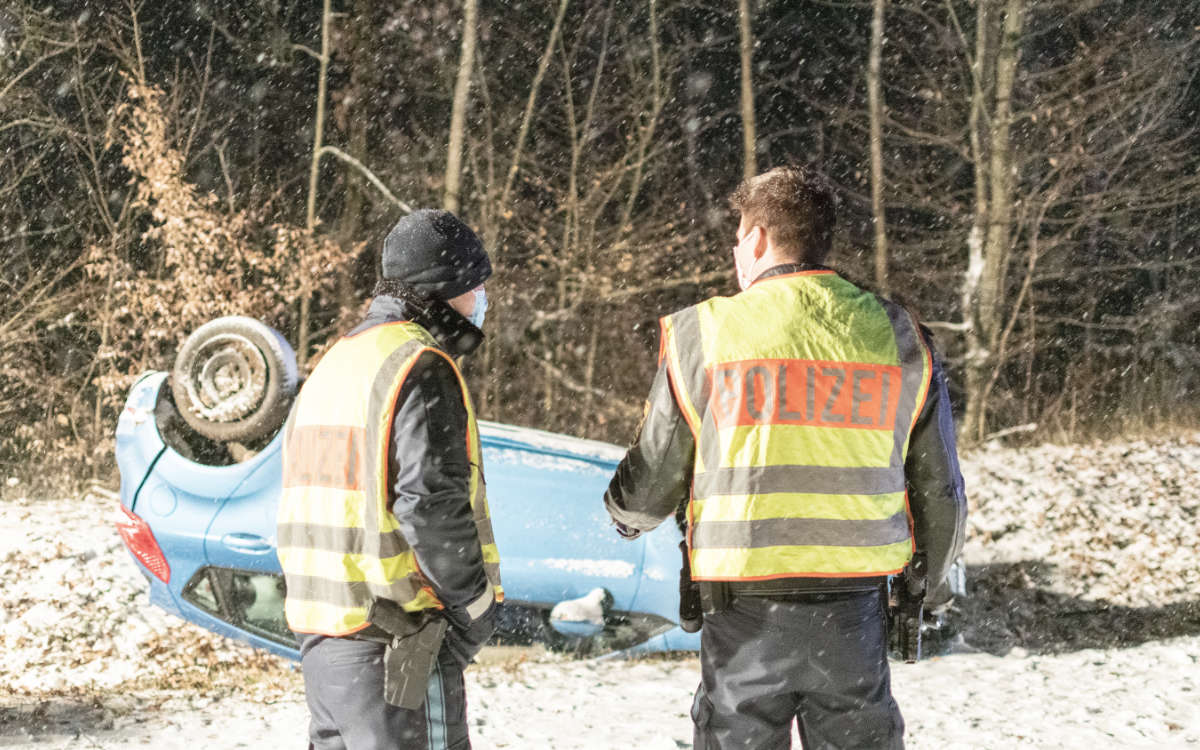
{"points": [[583, 617]]}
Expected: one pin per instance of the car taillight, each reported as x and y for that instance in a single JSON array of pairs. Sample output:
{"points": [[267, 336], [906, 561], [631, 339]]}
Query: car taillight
{"points": [[140, 541]]}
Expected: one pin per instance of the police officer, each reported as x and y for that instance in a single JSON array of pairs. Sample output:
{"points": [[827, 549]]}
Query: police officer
{"points": [[384, 537], [802, 430]]}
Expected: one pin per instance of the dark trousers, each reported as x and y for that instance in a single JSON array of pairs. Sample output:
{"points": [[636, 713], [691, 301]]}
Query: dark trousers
{"points": [[343, 683], [821, 660]]}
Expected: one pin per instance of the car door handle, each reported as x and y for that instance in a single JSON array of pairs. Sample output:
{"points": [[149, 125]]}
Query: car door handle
{"points": [[252, 544]]}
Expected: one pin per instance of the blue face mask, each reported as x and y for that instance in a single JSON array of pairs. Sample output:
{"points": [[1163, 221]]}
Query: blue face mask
{"points": [[480, 308]]}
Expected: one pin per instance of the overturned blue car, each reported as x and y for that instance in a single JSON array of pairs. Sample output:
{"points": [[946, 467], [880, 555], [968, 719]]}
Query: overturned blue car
{"points": [[199, 453]]}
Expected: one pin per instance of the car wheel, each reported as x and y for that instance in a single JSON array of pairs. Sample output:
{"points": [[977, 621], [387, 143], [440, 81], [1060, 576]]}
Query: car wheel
{"points": [[234, 379]]}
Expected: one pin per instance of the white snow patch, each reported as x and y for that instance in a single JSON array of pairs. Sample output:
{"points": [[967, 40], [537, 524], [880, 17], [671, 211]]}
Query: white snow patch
{"points": [[592, 568], [1118, 521], [655, 573], [553, 441], [541, 462]]}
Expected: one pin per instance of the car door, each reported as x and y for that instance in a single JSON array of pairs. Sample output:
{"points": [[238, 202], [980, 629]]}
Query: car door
{"points": [[243, 570], [556, 542], [242, 532]]}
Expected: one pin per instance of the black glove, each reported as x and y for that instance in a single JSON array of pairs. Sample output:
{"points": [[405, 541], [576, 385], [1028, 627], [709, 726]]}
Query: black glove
{"points": [[466, 637]]}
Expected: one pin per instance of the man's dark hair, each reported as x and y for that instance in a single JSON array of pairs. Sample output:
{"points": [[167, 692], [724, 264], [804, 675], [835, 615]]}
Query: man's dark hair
{"points": [[794, 206]]}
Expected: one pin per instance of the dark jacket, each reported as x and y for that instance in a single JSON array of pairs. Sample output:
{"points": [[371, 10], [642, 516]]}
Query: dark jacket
{"points": [[429, 470], [653, 481]]}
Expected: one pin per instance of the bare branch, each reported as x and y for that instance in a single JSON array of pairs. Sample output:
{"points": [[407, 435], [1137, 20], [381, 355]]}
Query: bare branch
{"points": [[334, 151], [530, 102], [307, 50]]}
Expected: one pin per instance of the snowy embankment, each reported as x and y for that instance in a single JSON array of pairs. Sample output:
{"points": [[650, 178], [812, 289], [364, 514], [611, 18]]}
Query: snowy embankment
{"points": [[1082, 630]]}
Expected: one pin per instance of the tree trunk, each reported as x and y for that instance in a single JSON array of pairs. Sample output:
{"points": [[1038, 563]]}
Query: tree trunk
{"points": [[458, 115], [875, 103], [1000, 173], [350, 221], [310, 216], [749, 165], [975, 355], [994, 72]]}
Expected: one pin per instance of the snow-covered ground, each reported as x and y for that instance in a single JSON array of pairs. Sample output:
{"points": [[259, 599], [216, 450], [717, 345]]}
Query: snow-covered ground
{"points": [[1143, 697], [1082, 630]]}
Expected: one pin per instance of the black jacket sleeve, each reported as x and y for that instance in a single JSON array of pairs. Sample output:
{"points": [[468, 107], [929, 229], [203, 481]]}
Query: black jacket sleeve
{"points": [[654, 478], [429, 473], [935, 485]]}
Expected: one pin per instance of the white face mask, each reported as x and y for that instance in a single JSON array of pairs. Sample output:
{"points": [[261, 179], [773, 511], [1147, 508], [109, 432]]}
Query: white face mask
{"points": [[743, 279], [744, 276], [480, 308]]}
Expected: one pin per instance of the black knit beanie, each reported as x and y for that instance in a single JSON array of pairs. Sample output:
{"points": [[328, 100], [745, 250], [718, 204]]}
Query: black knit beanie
{"points": [[435, 254]]}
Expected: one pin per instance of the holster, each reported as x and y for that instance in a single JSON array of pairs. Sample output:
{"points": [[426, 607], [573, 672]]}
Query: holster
{"points": [[691, 616], [411, 654], [906, 609]]}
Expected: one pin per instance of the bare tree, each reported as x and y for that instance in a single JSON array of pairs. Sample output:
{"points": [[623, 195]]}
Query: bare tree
{"points": [[875, 104], [310, 213], [458, 117], [991, 232], [749, 137], [1070, 157], [594, 199], [1034, 197]]}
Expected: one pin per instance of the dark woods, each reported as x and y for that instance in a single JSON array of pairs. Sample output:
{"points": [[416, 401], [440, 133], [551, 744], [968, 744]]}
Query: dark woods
{"points": [[1032, 191]]}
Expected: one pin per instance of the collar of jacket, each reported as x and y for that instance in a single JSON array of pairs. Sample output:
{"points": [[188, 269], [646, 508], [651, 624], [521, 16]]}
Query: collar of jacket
{"points": [[453, 332], [786, 268]]}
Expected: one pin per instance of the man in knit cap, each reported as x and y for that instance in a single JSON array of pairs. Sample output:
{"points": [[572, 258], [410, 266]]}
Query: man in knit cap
{"points": [[384, 536]]}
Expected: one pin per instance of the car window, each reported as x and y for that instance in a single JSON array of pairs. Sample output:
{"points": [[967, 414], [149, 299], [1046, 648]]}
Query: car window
{"points": [[248, 600], [199, 591], [258, 602]]}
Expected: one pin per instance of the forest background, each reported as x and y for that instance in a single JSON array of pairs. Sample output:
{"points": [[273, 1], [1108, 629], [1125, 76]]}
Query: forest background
{"points": [[1025, 174]]}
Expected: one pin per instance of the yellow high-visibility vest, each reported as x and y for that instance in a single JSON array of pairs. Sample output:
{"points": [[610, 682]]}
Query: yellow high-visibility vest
{"points": [[801, 393], [339, 545]]}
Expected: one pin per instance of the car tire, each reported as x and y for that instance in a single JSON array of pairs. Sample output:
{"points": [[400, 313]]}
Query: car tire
{"points": [[234, 380]]}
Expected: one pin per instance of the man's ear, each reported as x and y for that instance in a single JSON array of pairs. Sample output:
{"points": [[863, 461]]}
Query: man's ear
{"points": [[760, 241]]}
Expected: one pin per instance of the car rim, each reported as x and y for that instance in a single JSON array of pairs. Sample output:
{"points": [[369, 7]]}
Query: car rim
{"points": [[227, 379]]}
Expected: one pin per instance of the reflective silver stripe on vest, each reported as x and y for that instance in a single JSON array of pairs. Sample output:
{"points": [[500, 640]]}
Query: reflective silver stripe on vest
{"points": [[818, 480], [339, 539], [912, 367], [690, 349], [800, 532], [349, 594], [360, 593], [381, 400]]}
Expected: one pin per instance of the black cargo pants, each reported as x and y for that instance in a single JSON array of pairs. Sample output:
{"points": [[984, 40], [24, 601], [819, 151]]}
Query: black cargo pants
{"points": [[821, 659], [343, 683]]}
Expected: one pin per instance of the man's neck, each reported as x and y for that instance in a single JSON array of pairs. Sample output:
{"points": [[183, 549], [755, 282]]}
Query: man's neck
{"points": [[789, 266]]}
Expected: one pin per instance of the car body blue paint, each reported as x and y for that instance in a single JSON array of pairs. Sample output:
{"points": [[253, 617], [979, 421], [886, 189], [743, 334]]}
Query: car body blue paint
{"points": [[544, 491]]}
